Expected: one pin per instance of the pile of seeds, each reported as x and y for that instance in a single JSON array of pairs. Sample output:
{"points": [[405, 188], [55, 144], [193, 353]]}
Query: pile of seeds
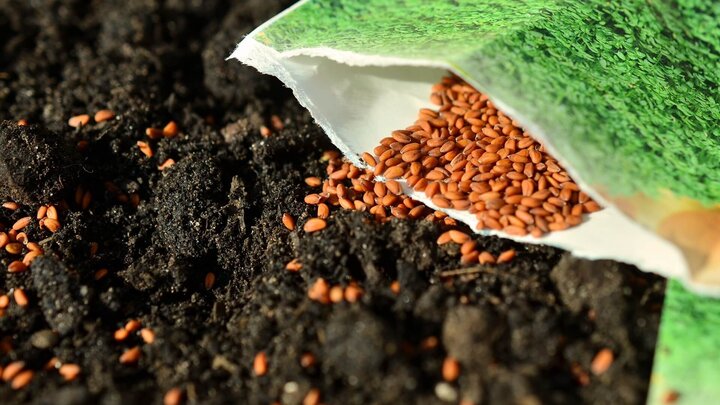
{"points": [[352, 188], [468, 155]]}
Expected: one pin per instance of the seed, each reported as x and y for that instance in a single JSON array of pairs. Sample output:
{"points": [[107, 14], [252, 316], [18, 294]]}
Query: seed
{"points": [[444, 238], [394, 172], [470, 257], [166, 164], [323, 211], [395, 287], [17, 267], [458, 237], [173, 396], [153, 133], [22, 123], [336, 294], [515, 230], [314, 225], [602, 361], [468, 246], [22, 379], [130, 356], [14, 248], [147, 335], [441, 202], [145, 148], [104, 115], [170, 130], [42, 211], [21, 223], [69, 371], [353, 293], [313, 181], [307, 360], [52, 212], [312, 397], [486, 258], [10, 205], [260, 365], [4, 239], [313, 199], [288, 221], [20, 297], [265, 131], [100, 274], [12, 369], [319, 291], [79, 120], [4, 302], [294, 265], [121, 334], [506, 256], [209, 281], [369, 159], [132, 325], [450, 369]]}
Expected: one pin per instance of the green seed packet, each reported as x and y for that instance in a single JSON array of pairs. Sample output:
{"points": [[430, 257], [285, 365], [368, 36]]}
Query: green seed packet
{"points": [[624, 93]]}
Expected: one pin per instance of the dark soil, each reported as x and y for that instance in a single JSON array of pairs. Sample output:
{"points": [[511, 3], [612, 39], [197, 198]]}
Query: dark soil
{"points": [[524, 332]]}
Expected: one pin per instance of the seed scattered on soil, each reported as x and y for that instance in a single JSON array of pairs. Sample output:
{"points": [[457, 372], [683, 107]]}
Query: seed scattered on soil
{"points": [[100, 274], [20, 297], [395, 287], [260, 365], [79, 120], [21, 223], [312, 397], [336, 294], [602, 361], [132, 325], [17, 266], [166, 164], [294, 265], [313, 181], [22, 122], [51, 224], [307, 360], [209, 280], [14, 248], [4, 301], [173, 396], [130, 356], [319, 291], [104, 115], [147, 335], [450, 369], [153, 133], [22, 379], [11, 205], [353, 293], [121, 334], [314, 225], [69, 371], [506, 256], [170, 130], [12, 370], [288, 221], [265, 131], [145, 148], [41, 212]]}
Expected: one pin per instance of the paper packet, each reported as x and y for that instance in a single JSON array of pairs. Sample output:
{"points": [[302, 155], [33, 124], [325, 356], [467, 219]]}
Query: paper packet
{"points": [[624, 94]]}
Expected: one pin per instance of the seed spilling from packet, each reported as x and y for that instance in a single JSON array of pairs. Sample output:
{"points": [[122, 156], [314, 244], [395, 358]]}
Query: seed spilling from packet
{"points": [[468, 155]]}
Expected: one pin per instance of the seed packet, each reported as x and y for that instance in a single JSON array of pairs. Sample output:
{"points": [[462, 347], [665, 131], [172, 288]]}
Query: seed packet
{"points": [[623, 94]]}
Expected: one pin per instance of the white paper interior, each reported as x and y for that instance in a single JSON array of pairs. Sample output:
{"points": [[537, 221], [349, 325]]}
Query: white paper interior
{"points": [[359, 105]]}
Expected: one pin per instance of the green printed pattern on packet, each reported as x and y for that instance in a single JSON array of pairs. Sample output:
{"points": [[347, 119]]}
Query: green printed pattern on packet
{"points": [[632, 84], [688, 350]]}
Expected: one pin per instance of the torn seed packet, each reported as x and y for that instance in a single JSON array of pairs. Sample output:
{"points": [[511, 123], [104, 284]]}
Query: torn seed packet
{"points": [[623, 94]]}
